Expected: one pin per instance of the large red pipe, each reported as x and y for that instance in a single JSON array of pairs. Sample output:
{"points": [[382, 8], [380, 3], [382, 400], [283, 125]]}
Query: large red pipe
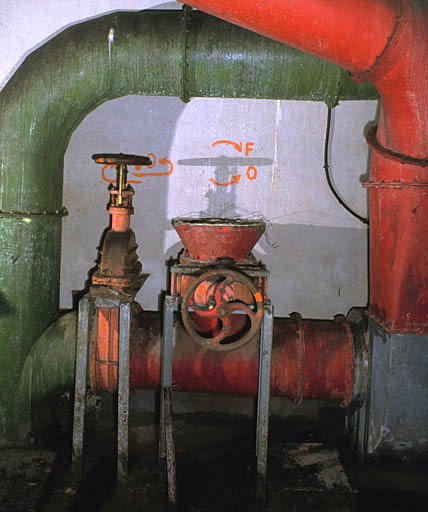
{"points": [[385, 42], [310, 359]]}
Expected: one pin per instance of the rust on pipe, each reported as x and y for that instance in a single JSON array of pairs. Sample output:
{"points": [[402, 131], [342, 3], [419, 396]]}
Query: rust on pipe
{"points": [[385, 42], [327, 368]]}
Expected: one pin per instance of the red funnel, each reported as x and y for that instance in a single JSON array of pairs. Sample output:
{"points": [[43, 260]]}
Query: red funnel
{"points": [[210, 239]]}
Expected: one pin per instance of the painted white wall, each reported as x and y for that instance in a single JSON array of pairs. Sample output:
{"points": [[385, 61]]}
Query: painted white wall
{"points": [[316, 252], [26, 24]]}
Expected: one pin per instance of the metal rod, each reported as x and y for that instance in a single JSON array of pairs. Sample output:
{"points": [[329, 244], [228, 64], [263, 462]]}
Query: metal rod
{"points": [[263, 398], [170, 305], [170, 450], [82, 348], [123, 395]]}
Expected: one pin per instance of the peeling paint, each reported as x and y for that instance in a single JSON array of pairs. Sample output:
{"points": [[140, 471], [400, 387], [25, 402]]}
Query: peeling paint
{"points": [[110, 38]]}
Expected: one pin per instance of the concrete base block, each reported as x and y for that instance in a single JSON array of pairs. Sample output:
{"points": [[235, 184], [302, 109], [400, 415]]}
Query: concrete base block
{"points": [[394, 417]]}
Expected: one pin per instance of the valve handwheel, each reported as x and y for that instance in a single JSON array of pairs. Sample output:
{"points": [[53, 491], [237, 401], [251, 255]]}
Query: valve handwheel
{"points": [[120, 159], [221, 304]]}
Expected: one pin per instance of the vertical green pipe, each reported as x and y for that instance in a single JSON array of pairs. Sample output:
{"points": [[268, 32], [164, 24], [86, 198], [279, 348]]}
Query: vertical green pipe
{"points": [[68, 77]]}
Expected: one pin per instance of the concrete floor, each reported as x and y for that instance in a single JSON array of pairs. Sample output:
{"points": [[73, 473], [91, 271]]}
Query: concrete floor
{"points": [[214, 468]]}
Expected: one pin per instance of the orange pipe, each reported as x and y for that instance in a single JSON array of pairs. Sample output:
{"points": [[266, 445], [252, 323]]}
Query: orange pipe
{"points": [[385, 42], [320, 359], [120, 218]]}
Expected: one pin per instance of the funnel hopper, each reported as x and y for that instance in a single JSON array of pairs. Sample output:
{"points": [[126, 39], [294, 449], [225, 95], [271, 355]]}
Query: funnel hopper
{"points": [[211, 239]]}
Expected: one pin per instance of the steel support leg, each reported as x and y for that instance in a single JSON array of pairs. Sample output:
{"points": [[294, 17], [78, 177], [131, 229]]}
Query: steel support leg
{"points": [[170, 450], [123, 395], [80, 387], [166, 439], [263, 397]]}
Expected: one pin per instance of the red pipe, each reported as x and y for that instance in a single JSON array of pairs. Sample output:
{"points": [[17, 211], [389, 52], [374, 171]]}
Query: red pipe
{"points": [[310, 359], [385, 42]]}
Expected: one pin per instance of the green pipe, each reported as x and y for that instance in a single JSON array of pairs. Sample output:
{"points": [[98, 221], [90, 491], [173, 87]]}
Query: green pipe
{"points": [[48, 372], [154, 53], [228, 61]]}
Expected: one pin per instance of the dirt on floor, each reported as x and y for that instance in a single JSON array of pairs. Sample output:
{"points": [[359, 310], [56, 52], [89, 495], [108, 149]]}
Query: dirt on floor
{"points": [[215, 470]]}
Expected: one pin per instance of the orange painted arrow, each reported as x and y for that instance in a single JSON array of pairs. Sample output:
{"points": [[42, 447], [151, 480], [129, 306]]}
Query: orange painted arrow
{"points": [[162, 161], [235, 179], [103, 175], [153, 158], [237, 146]]}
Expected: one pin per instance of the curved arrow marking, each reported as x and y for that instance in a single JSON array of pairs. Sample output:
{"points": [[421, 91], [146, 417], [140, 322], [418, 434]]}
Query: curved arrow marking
{"points": [[237, 146], [153, 157], [103, 175], [235, 179], [162, 161]]}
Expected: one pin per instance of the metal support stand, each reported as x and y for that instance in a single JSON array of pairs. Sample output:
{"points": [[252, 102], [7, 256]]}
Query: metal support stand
{"points": [[167, 477], [87, 309], [81, 381], [167, 469], [263, 398], [123, 396]]}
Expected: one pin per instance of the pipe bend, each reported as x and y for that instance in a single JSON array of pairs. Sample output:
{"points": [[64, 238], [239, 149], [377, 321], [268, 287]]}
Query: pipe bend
{"points": [[389, 47], [332, 30], [400, 79]]}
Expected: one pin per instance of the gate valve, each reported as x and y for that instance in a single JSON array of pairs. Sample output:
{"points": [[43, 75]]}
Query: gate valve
{"points": [[118, 266], [220, 302], [120, 206]]}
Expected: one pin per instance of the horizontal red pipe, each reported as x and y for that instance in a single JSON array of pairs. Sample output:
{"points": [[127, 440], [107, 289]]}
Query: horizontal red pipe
{"points": [[310, 359], [385, 42]]}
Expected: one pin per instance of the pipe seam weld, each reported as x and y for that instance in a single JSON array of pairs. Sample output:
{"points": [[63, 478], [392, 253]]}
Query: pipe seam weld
{"points": [[297, 317], [28, 213], [393, 184], [185, 96], [386, 60], [411, 328], [341, 319]]}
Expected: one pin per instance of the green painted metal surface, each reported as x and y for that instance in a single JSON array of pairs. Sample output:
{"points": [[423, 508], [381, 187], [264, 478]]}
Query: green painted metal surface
{"points": [[153, 53], [229, 61], [48, 371], [30, 270]]}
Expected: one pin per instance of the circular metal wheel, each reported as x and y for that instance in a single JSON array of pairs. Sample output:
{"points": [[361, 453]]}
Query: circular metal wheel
{"points": [[121, 159], [219, 306]]}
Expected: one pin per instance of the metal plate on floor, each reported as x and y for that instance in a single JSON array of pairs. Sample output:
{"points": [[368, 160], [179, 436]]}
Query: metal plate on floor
{"points": [[309, 476]]}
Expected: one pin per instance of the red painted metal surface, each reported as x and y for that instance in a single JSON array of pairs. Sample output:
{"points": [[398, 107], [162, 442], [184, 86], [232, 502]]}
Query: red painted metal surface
{"points": [[120, 218], [221, 302], [210, 239], [386, 42], [105, 351], [310, 359]]}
